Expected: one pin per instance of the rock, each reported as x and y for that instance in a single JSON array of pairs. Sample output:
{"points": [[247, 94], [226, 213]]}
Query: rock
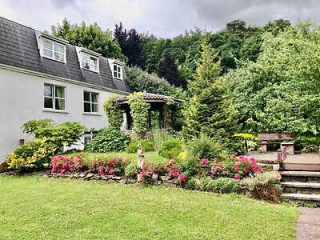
{"points": [[123, 181], [164, 178], [82, 175], [117, 178], [155, 176], [96, 177], [88, 176], [104, 177]]}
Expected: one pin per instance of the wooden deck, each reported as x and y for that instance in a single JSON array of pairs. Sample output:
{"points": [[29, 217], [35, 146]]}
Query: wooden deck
{"points": [[296, 162]]}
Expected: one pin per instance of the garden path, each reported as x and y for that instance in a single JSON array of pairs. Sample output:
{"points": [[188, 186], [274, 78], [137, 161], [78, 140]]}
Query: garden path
{"points": [[308, 226]]}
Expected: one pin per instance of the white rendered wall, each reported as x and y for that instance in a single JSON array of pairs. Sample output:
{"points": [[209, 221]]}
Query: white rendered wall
{"points": [[21, 100]]}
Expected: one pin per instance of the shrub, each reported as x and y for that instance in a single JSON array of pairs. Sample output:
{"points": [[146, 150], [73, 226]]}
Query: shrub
{"points": [[171, 148], [30, 155], [220, 185], [139, 110], [113, 112], [108, 140], [205, 147], [147, 146], [190, 183], [66, 133], [264, 186], [132, 170], [114, 166]]}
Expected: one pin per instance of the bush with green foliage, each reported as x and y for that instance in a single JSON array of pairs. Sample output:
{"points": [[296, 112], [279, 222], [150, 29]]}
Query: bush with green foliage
{"points": [[205, 147], [139, 110], [220, 185], [139, 80], [132, 170], [113, 112], [171, 148], [108, 140], [31, 155], [264, 186], [133, 146], [66, 133]]}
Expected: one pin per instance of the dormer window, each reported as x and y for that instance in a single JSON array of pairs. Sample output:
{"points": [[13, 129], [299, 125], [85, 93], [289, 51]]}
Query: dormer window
{"points": [[54, 50], [89, 62], [117, 71]]}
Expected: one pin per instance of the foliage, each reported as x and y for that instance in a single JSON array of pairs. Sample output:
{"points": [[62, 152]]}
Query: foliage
{"points": [[114, 166], [33, 126], [278, 92], [236, 167], [130, 43], [113, 112], [209, 110], [205, 147], [133, 146], [139, 110], [140, 81], [30, 154], [62, 165], [220, 185], [132, 170], [88, 36], [263, 186], [170, 148], [108, 140]]}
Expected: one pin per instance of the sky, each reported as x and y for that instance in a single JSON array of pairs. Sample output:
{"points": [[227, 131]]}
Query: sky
{"points": [[163, 18]]}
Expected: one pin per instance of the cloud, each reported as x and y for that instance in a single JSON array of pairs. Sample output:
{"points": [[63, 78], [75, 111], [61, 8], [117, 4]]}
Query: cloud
{"points": [[164, 18]]}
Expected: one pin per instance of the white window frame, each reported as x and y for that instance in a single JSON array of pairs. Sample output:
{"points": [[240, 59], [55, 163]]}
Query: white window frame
{"points": [[54, 97], [90, 102], [53, 51], [86, 55], [118, 73]]}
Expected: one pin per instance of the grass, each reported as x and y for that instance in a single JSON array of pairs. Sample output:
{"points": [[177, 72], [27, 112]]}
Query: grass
{"points": [[131, 157], [42, 208]]}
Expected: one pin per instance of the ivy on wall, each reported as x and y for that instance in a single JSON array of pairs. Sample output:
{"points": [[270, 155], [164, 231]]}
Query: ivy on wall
{"points": [[113, 111], [139, 110]]}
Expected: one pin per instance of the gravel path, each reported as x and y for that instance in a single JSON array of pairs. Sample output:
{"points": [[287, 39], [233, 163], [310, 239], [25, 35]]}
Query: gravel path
{"points": [[308, 226]]}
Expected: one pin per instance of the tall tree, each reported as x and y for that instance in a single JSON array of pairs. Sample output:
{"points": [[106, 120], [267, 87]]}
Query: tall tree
{"points": [[168, 69], [131, 45], [209, 110], [88, 36]]}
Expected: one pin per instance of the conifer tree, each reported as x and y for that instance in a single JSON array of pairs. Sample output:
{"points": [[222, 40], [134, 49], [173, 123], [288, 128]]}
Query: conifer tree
{"points": [[209, 110]]}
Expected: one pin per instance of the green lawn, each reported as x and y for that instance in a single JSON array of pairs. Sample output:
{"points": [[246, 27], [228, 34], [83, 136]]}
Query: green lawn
{"points": [[41, 208]]}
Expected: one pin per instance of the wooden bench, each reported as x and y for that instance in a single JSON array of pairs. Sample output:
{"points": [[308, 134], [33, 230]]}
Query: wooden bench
{"points": [[284, 139]]}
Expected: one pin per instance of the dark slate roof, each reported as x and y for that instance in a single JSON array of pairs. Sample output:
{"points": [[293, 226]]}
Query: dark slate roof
{"points": [[19, 48]]}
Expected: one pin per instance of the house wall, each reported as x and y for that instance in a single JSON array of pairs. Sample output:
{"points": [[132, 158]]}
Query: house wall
{"points": [[21, 100]]}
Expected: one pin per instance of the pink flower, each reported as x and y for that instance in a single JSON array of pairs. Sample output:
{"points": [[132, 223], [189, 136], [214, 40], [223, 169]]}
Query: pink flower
{"points": [[237, 176], [182, 178], [204, 161]]}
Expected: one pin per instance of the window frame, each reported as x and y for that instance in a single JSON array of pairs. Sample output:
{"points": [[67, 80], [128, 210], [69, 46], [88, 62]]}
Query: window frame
{"points": [[54, 97], [83, 55], [91, 102], [53, 50], [118, 71]]}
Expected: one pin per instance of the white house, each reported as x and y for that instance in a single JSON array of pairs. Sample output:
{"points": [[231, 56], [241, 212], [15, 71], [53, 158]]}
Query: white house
{"points": [[45, 77]]}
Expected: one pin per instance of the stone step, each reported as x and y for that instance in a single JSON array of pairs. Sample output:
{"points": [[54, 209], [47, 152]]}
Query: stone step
{"points": [[315, 167], [301, 187], [301, 197], [300, 176]]}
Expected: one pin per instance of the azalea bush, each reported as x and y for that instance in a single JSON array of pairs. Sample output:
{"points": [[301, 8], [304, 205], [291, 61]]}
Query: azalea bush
{"points": [[62, 165], [114, 166]]}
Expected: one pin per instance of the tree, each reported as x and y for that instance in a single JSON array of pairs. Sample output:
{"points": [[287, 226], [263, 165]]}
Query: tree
{"points": [[88, 36], [279, 92], [131, 45], [209, 110], [168, 69]]}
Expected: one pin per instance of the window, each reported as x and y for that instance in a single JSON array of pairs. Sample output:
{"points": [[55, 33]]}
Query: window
{"points": [[54, 97], [90, 102], [89, 62], [53, 50], [117, 71], [88, 136]]}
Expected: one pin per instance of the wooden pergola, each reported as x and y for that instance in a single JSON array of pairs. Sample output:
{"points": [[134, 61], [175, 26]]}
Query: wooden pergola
{"points": [[160, 112]]}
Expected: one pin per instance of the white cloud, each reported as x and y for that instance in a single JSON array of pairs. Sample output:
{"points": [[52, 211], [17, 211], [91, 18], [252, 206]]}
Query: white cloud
{"points": [[166, 18]]}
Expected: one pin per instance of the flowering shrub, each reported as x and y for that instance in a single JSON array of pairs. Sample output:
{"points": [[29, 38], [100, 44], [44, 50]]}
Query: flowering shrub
{"points": [[237, 167], [62, 165], [182, 178], [114, 166], [204, 162]]}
